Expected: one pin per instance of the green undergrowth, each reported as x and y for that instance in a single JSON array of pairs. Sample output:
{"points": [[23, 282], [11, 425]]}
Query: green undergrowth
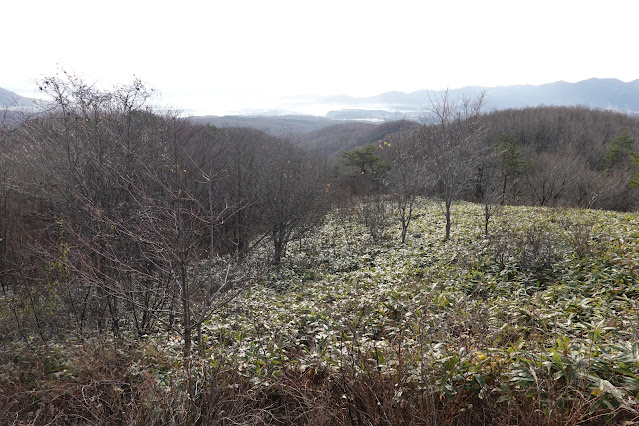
{"points": [[537, 323], [543, 311]]}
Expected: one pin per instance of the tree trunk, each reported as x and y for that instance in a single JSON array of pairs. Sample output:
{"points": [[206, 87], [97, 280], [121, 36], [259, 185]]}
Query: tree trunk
{"points": [[448, 205], [186, 316], [487, 218], [503, 190], [278, 251]]}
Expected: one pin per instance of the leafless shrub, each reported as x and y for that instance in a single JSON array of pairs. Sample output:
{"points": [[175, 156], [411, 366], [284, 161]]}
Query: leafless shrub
{"points": [[580, 238], [532, 250], [537, 251], [376, 214]]}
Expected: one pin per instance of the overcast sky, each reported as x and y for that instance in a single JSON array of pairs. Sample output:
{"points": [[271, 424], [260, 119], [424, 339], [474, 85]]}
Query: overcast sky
{"points": [[221, 56]]}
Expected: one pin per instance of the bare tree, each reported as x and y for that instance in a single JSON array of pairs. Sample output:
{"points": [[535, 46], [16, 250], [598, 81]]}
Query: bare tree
{"points": [[407, 177], [59, 150], [293, 194], [243, 151], [134, 208], [451, 146], [553, 176], [175, 224], [4, 201]]}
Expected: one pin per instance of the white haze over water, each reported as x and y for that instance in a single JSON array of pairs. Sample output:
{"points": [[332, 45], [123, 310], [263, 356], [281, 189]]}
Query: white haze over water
{"points": [[295, 105]]}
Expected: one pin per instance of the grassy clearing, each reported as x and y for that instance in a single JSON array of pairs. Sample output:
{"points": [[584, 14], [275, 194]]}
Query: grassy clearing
{"points": [[537, 324]]}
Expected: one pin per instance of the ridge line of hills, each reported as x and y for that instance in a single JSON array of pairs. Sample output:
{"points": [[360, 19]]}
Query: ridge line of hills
{"points": [[596, 93], [607, 93], [358, 120], [600, 93]]}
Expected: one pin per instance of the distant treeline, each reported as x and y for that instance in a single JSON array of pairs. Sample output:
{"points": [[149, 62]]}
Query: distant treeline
{"points": [[548, 156], [567, 156]]}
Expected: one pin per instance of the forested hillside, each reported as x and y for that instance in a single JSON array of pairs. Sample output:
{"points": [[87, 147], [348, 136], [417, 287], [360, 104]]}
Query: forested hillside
{"points": [[571, 156], [465, 270], [275, 125], [335, 139], [559, 155]]}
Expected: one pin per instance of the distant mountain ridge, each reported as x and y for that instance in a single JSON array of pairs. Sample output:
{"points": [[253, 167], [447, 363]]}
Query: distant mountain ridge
{"points": [[9, 99], [600, 93], [596, 93]]}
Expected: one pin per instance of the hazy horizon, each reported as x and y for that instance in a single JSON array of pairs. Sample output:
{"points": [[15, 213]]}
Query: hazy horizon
{"points": [[212, 57], [200, 105]]}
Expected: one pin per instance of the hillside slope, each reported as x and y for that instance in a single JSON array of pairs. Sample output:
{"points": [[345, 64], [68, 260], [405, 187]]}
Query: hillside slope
{"points": [[276, 125], [334, 139], [10, 99]]}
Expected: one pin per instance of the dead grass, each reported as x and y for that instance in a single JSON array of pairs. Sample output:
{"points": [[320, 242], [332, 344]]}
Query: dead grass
{"points": [[101, 383]]}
